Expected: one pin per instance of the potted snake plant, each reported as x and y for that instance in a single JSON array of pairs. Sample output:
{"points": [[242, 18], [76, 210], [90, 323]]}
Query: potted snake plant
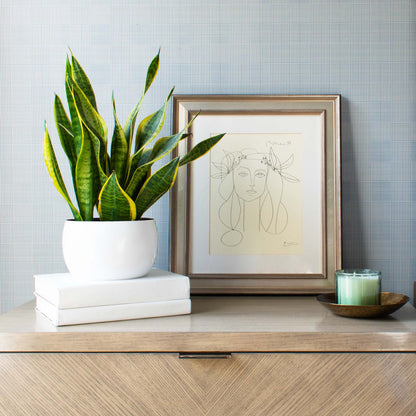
{"points": [[119, 184]]}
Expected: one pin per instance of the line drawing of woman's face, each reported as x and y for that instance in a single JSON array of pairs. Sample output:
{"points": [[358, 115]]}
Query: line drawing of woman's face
{"points": [[250, 178]]}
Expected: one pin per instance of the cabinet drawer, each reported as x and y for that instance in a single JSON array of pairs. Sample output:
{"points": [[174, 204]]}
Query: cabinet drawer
{"points": [[244, 384]]}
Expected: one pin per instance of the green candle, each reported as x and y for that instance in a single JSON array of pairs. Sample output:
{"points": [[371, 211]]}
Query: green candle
{"points": [[358, 287]]}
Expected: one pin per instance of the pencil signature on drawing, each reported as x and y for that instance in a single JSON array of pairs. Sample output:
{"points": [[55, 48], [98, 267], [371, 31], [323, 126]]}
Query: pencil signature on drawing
{"points": [[289, 243]]}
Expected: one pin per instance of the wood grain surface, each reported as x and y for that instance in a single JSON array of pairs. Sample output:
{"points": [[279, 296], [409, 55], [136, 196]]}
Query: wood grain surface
{"points": [[246, 384], [218, 323]]}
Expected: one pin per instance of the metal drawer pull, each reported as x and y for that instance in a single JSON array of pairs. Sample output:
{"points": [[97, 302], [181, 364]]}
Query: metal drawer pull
{"points": [[204, 355]]}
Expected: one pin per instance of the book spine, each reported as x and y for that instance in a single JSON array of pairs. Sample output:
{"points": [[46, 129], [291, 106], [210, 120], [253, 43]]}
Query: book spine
{"points": [[127, 292], [74, 316]]}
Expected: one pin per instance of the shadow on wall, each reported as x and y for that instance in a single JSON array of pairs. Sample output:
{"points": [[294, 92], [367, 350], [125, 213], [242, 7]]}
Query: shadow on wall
{"points": [[353, 248]]}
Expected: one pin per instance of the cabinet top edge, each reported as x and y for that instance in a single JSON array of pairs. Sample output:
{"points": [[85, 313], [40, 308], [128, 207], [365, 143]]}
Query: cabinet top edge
{"points": [[218, 323]]}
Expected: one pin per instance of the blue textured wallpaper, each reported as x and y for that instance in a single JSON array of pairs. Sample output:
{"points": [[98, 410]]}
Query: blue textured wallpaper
{"points": [[364, 50]]}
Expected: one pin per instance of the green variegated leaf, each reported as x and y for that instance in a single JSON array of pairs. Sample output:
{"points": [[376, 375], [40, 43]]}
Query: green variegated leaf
{"points": [[185, 136], [55, 173], [68, 69], [80, 77], [156, 186], [152, 71], [150, 127], [64, 127], [200, 149], [141, 157], [131, 120], [119, 150], [131, 188], [73, 111], [129, 127], [144, 159], [100, 155], [139, 171], [114, 204], [166, 144], [89, 115], [137, 180], [87, 180], [60, 114], [138, 159]]}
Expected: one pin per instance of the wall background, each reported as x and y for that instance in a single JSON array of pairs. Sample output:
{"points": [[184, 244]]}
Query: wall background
{"points": [[362, 49]]}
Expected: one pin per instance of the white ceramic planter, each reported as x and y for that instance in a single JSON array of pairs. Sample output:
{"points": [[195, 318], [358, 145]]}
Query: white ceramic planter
{"points": [[109, 250]]}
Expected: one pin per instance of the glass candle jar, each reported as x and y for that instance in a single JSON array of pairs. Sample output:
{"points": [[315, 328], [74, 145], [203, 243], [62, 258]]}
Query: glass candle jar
{"points": [[358, 287]]}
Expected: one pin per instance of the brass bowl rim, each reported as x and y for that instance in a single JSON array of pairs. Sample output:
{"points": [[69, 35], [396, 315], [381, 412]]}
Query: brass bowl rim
{"points": [[324, 298]]}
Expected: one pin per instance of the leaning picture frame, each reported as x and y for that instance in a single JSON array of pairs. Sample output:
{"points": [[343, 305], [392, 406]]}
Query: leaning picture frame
{"points": [[261, 213]]}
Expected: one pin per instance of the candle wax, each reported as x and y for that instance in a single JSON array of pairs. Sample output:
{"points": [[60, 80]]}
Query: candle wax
{"points": [[355, 289]]}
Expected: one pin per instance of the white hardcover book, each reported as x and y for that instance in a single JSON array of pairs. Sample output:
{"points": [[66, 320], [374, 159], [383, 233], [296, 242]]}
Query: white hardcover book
{"points": [[75, 316], [64, 292]]}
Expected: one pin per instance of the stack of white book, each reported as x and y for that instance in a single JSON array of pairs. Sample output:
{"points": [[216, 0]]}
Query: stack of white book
{"points": [[66, 301]]}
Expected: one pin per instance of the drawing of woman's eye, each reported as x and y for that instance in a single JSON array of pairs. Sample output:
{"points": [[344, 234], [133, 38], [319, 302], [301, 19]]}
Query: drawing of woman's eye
{"points": [[260, 174], [243, 174]]}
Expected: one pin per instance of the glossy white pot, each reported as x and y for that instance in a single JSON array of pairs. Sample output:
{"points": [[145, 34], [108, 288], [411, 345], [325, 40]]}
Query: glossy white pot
{"points": [[109, 250]]}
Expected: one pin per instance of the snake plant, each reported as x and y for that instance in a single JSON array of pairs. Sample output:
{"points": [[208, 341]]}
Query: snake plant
{"points": [[120, 184]]}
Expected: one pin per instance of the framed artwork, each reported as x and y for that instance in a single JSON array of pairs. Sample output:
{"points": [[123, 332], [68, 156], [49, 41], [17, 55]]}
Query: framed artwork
{"points": [[261, 212]]}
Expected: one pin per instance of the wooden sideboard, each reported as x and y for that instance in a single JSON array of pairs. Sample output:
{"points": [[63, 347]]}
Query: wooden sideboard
{"points": [[234, 355]]}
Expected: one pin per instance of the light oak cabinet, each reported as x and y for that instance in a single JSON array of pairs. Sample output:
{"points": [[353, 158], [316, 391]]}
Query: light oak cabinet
{"points": [[289, 356]]}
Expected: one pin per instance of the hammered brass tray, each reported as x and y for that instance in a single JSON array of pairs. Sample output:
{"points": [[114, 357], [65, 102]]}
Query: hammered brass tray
{"points": [[390, 302]]}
